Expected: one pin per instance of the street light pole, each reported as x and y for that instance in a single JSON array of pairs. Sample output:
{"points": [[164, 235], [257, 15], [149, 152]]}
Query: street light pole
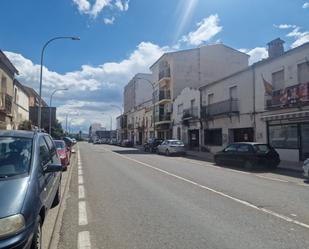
{"points": [[111, 125], [121, 118], [50, 105], [41, 72], [153, 104]]}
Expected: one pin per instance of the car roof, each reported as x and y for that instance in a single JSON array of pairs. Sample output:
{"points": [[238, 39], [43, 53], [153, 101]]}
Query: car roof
{"points": [[251, 143], [17, 133], [59, 140]]}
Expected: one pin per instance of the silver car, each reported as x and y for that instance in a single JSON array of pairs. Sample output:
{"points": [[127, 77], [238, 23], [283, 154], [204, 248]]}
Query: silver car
{"points": [[306, 168], [169, 147]]}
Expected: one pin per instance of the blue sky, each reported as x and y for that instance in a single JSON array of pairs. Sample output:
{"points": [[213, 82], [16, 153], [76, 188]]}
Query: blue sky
{"points": [[120, 38]]}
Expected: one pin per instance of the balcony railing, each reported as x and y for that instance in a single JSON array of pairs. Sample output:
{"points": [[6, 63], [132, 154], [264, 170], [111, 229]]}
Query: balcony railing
{"points": [[163, 117], [190, 113], [292, 96], [130, 126], [164, 73], [226, 107], [6, 103], [163, 94]]}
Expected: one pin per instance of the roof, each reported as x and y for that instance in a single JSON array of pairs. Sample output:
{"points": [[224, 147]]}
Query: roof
{"points": [[21, 86], [17, 133], [7, 63]]}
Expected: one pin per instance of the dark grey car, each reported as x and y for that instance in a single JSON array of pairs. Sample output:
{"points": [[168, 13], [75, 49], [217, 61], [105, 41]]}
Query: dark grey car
{"points": [[30, 176]]}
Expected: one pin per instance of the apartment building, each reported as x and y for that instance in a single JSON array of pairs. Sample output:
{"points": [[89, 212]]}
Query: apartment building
{"points": [[7, 74], [189, 68], [21, 104]]}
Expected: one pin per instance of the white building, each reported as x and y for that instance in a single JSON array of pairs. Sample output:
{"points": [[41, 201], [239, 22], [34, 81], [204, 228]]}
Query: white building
{"points": [[21, 104], [189, 68], [94, 128]]}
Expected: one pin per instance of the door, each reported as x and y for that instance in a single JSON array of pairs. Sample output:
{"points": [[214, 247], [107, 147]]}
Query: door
{"points": [[229, 154], [243, 154], [194, 139], [304, 146]]}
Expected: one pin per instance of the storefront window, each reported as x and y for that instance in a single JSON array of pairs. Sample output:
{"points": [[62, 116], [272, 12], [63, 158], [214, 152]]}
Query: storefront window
{"points": [[283, 136], [213, 137]]}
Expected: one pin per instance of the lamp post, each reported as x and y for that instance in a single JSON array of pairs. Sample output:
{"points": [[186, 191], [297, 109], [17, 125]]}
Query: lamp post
{"points": [[153, 104], [50, 105], [121, 118], [41, 71]]}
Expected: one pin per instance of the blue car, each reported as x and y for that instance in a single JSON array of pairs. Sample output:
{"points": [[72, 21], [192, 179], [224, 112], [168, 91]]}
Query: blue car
{"points": [[30, 178]]}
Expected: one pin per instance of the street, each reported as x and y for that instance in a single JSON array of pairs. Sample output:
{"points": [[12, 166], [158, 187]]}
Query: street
{"points": [[125, 198]]}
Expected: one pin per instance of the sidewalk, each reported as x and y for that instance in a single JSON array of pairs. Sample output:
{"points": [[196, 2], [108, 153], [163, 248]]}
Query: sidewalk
{"points": [[209, 157]]}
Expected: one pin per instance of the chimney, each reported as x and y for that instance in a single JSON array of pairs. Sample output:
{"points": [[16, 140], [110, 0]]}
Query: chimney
{"points": [[275, 48]]}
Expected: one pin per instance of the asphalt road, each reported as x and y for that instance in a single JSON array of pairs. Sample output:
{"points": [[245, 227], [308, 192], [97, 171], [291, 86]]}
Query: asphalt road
{"points": [[122, 198]]}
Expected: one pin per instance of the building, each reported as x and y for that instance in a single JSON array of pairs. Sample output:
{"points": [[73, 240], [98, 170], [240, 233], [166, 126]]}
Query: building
{"points": [[21, 104], [93, 130], [189, 68], [7, 75], [34, 97], [267, 102], [186, 117]]}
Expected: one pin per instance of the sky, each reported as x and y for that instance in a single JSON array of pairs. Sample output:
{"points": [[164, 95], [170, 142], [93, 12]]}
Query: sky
{"points": [[119, 38]]}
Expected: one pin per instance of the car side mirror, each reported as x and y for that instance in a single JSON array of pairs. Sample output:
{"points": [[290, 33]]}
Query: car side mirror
{"points": [[50, 168]]}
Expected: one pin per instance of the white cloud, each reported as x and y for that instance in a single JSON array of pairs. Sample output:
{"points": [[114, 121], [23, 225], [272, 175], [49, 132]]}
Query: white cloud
{"points": [[206, 29], [122, 5], [306, 5], [109, 20], [300, 37], [82, 5], [284, 26], [256, 54], [98, 6], [93, 88]]}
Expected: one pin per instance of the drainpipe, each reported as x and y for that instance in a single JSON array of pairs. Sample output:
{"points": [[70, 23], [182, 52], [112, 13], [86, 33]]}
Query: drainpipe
{"points": [[254, 97]]}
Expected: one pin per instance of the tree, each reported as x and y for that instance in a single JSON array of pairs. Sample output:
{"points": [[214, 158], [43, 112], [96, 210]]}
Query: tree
{"points": [[57, 131], [25, 125]]}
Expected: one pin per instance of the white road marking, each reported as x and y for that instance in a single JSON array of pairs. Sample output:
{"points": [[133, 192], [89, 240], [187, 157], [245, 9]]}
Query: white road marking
{"points": [[84, 240], [81, 192], [245, 203], [294, 215], [80, 180], [271, 178], [80, 172], [82, 214]]}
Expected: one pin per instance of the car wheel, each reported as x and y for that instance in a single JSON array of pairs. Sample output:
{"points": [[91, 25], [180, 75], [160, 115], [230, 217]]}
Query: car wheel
{"points": [[167, 153], [37, 236], [57, 197], [249, 165]]}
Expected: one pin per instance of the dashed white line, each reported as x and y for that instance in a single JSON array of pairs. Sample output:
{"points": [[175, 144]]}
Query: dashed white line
{"points": [[80, 180], [84, 240], [245, 203], [81, 192], [80, 172], [82, 214]]}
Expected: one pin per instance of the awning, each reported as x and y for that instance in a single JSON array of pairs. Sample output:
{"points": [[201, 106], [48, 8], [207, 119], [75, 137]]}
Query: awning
{"points": [[290, 115]]}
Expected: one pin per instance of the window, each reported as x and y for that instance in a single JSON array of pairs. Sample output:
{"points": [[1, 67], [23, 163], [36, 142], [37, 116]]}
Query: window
{"points": [[232, 147], [233, 92], [263, 148], [3, 85], [278, 80], [192, 104], [283, 136], [180, 109], [210, 98], [213, 137], [243, 148], [44, 156], [52, 149], [15, 95], [303, 72]]}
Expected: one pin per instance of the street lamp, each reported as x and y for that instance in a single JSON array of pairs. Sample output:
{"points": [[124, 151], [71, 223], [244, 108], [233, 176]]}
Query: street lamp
{"points": [[41, 71], [153, 104], [50, 105]]}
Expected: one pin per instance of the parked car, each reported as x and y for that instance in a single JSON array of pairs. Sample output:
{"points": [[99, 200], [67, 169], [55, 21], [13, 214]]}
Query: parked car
{"points": [[169, 147], [63, 153], [248, 155], [306, 168], [152, 144], [113, 141], [126, 143], [74, 141], [30, 178]]}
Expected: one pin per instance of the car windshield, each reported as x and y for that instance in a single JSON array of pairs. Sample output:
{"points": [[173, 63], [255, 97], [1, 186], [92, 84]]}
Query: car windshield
{"points": [[15, 156], [263, 148], [60, 145], [176, 142]]}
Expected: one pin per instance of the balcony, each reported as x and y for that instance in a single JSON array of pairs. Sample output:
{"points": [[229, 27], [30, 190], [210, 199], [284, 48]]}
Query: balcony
{"points": [[130, 126], [6, 103], [164, 73], [163, 118], [226, 107], [292, 96], [191, 113], [163, 96]]}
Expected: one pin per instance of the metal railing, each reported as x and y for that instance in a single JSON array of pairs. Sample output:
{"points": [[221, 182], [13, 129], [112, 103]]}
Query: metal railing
{"points": [[6, 102], [163, 94], [226, 107], [163, 117], [190, 113], [165, 73], [130, 126]]}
